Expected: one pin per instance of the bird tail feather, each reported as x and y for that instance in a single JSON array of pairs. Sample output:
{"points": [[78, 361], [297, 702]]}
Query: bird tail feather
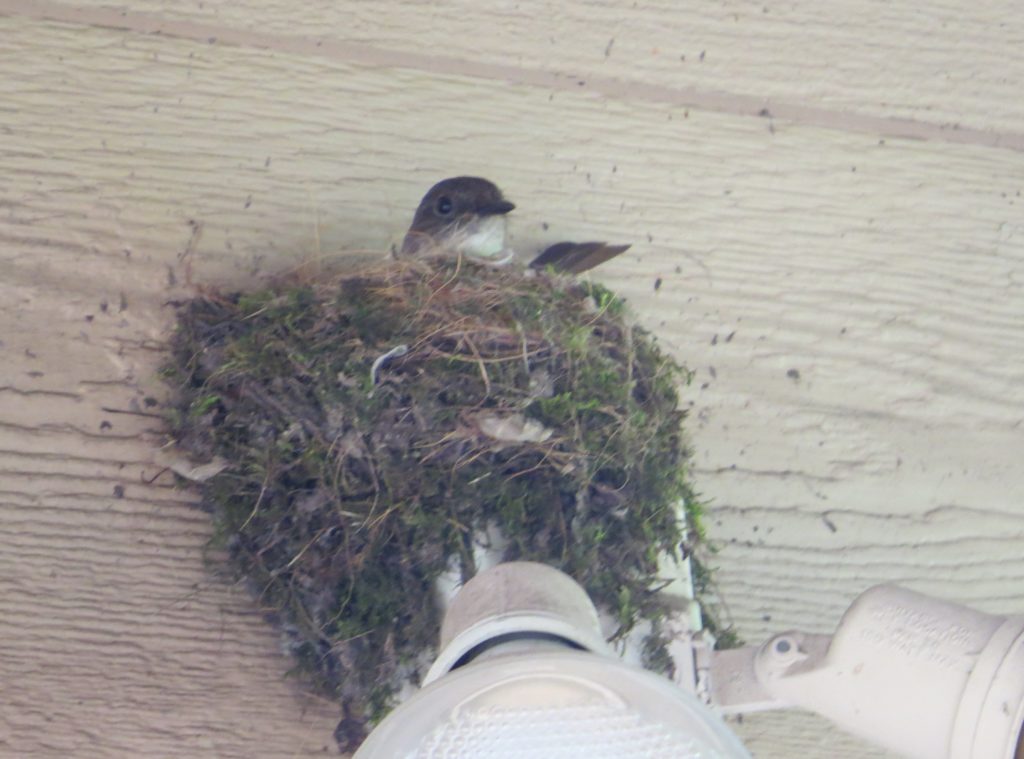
{"points": [[576, 257]]}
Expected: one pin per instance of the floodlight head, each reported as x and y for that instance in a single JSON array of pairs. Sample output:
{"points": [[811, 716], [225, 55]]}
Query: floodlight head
{"points": [[925, 678], [524, 671]]}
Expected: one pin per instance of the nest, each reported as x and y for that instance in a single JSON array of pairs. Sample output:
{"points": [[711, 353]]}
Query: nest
{"points": [[377, 426]]}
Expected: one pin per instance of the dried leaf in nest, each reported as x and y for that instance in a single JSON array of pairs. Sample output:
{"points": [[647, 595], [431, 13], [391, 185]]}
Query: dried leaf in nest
{"points": [[512, 428], [374, 425]]}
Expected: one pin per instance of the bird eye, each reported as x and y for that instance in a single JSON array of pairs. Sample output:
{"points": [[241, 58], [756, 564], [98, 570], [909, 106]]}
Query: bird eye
{"points": [[444, 205]]}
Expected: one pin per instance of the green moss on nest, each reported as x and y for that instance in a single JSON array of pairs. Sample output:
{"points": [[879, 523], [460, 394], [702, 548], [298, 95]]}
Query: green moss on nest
{"points": [[350, 490]]}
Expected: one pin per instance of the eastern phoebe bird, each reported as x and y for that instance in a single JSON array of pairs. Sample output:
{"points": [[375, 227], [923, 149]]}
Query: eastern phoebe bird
{"points": [[467, 215]]}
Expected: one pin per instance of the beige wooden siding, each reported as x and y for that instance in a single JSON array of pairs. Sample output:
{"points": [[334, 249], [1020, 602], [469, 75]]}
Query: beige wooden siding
{"points": [[831, 198]]}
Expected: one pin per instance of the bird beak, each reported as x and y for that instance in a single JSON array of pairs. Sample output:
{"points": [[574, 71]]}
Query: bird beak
{"points": [[502, 207]]}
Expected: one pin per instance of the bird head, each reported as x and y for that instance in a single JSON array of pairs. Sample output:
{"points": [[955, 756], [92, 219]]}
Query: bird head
{"points": [[467, 213]]}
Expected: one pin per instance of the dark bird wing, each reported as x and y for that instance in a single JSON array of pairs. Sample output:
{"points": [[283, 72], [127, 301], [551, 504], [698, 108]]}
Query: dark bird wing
{"points": [[576, 257]]}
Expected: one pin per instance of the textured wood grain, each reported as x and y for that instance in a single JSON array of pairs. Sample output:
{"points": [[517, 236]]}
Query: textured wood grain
{"points": [[950, 70], [852, 305]]}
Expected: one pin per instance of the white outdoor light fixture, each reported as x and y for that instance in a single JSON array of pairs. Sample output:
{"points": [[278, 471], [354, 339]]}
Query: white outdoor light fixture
{"points": [[922, 677], [524, 672]]}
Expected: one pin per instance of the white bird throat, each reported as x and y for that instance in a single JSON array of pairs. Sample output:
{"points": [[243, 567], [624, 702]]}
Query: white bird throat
{"points": [[483, 238]]}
